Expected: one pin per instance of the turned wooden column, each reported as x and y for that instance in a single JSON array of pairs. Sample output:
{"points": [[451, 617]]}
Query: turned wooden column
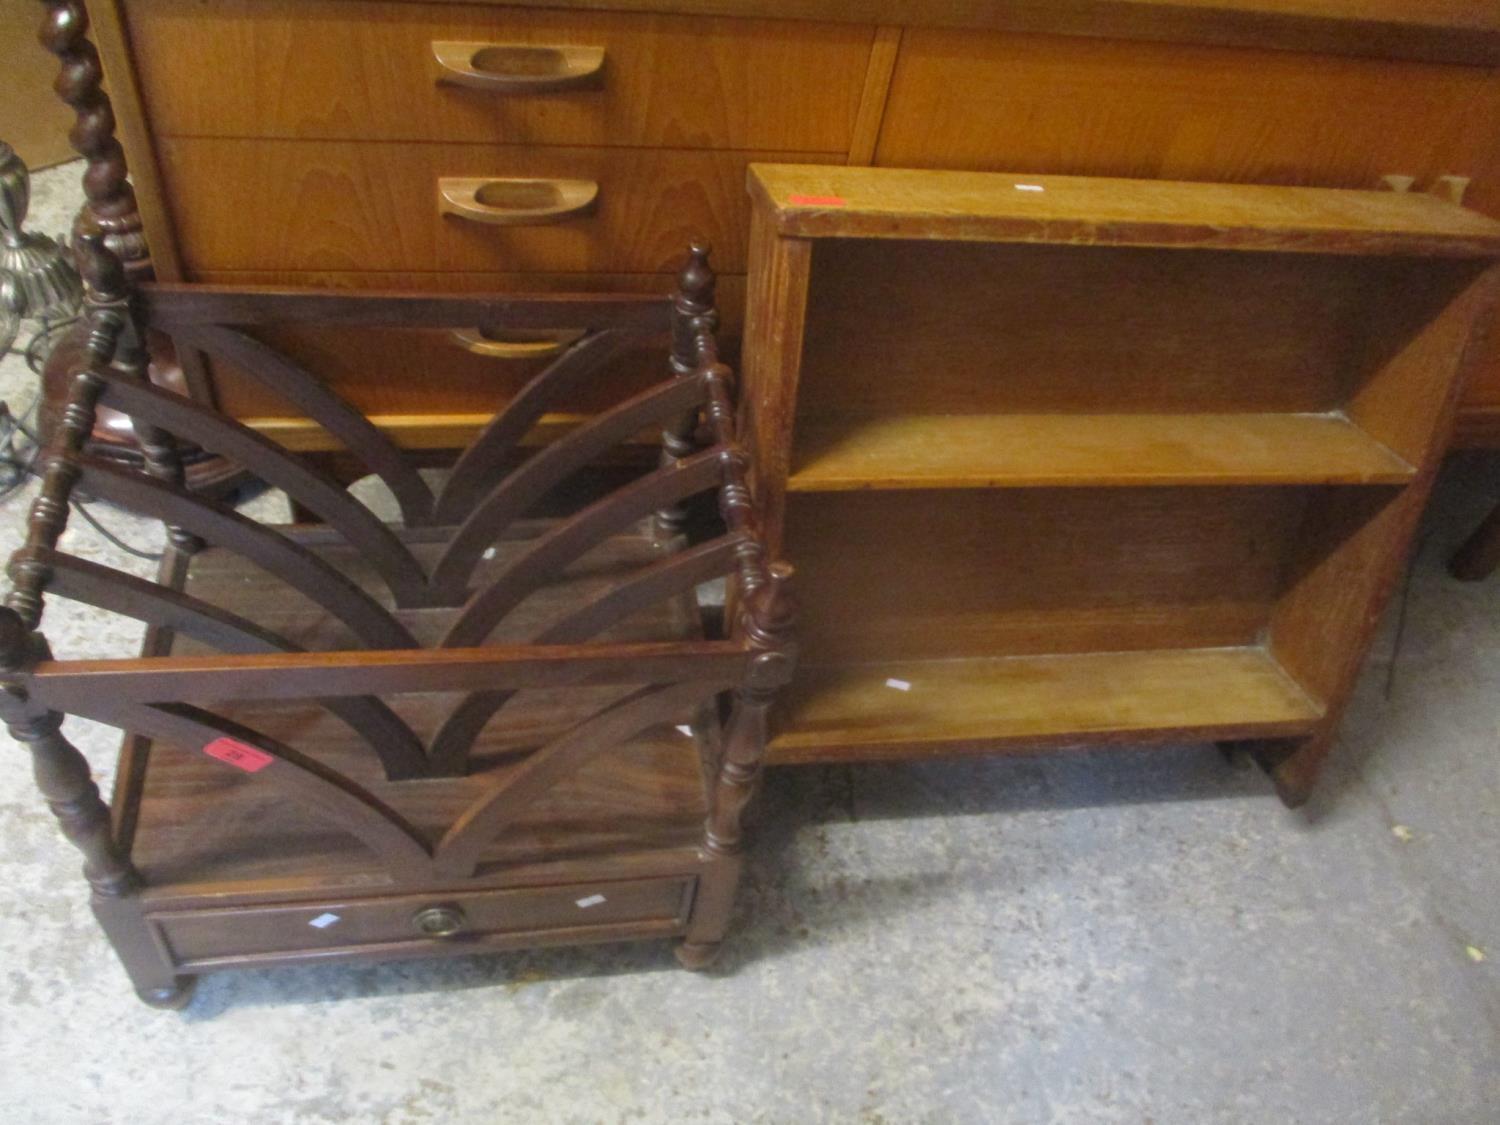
{"points": [[694, 317], [766, 623]]}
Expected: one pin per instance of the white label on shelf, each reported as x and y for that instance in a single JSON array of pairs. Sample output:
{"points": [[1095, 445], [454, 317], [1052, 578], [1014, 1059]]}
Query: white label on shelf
{"points": [[592, 900], [685, 729], [899, 685], [323, 921], [1030, 187]]}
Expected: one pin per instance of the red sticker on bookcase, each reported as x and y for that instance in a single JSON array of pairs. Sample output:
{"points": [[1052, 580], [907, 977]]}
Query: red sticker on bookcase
{"points": [[238, 755], [816, 200]]}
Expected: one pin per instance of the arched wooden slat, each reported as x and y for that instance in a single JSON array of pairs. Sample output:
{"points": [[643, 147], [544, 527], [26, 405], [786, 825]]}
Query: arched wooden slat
{"points": [[523, 488], [313, 397], [459, 850], [272, 464], [557, 548], [398, 845], [494, 444], [399, 749], [665, 578], [218, 524]]}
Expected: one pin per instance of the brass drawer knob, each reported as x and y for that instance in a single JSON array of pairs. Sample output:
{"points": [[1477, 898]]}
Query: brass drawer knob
{"points": [[439, 921], [517, 68], [515, 201]]}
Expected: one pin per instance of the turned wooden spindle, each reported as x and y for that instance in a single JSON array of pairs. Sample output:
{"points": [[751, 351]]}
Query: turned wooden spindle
{"points": [[108, 299], [110, 206], [736, 505], [694, 317], [49, 510], [61, 771], [766, 623]]}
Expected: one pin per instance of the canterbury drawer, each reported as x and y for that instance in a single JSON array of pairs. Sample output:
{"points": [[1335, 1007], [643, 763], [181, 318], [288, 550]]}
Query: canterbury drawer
{"points": [[304, 205], [330, 69], [203, 935], [399, 373]]}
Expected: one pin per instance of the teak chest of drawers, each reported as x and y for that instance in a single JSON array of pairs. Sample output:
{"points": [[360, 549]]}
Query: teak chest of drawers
{"points": [[304, 141], [1064, 460]]}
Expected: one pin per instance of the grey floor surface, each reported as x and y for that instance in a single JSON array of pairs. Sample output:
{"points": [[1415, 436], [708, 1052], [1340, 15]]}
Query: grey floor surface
{"points": [[1140, 936]]}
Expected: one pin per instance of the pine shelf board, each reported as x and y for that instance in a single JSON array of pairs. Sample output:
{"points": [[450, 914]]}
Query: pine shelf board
{"points": [[839, 712], [859, 202], [1048, 450]]}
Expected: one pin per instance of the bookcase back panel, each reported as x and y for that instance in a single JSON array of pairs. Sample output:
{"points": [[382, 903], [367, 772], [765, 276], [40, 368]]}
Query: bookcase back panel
{"points": [[946, 574], [944, 327]]}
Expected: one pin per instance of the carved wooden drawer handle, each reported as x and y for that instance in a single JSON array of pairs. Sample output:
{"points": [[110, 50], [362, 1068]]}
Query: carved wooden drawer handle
{"points": [[515, 202], [515, 345], [517, 68]]}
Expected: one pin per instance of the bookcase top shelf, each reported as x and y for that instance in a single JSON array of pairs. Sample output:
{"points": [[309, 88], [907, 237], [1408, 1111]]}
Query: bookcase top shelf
{"points": [[839, 202]]}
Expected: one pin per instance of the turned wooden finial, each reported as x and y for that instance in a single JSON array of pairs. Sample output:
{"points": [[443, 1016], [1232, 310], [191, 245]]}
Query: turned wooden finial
{"points": [[696, 280], [111, 204], [770, 620], [693, 311]]}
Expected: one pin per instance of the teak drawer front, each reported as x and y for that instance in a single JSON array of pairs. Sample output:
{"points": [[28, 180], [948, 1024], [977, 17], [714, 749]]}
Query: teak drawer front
{"points": [[196, 936], [394, 371], [305, 205], [327, 69], [1039, 104]]}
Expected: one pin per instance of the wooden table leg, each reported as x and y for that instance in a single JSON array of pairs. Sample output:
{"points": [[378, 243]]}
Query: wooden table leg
{"points": [[1480, 554]]}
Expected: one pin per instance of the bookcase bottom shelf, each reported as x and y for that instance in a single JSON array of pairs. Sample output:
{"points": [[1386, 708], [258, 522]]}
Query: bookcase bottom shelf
{"points": [[980, 705]]}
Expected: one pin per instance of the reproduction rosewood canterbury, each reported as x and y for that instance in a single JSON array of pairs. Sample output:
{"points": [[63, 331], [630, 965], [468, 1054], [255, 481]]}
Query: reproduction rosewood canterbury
{"points": [[465, 730], [1069, 460]]}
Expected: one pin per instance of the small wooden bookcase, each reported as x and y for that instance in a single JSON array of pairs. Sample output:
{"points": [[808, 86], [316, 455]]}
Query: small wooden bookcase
{"points": [[1065, 460]]}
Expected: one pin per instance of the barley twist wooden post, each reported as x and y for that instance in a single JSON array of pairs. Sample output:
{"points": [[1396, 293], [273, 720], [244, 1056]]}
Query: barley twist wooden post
{"points": [[766, 624], [111, 205]]}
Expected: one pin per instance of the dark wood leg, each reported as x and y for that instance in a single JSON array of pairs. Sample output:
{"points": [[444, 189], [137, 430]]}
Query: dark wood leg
{"points": [[63, 777], [1480, 554], [1293, 764], [153, 976], [173, 998], [766, 622]]}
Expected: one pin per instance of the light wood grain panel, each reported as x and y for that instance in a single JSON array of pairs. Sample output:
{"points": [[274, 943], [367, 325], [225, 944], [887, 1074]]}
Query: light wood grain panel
{"points": [[775, 312], [1453, 30], [852, 713], [894, 203], [883, 52], [928, 328], [302, 205], [1353, 547], [32, 119], [415, 372], [1042, 104], [321, 69], [921, 575], [1040, 450]]}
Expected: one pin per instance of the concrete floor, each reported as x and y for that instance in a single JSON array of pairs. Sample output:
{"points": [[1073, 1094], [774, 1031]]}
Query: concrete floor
{"points": [[1136, 936]]}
